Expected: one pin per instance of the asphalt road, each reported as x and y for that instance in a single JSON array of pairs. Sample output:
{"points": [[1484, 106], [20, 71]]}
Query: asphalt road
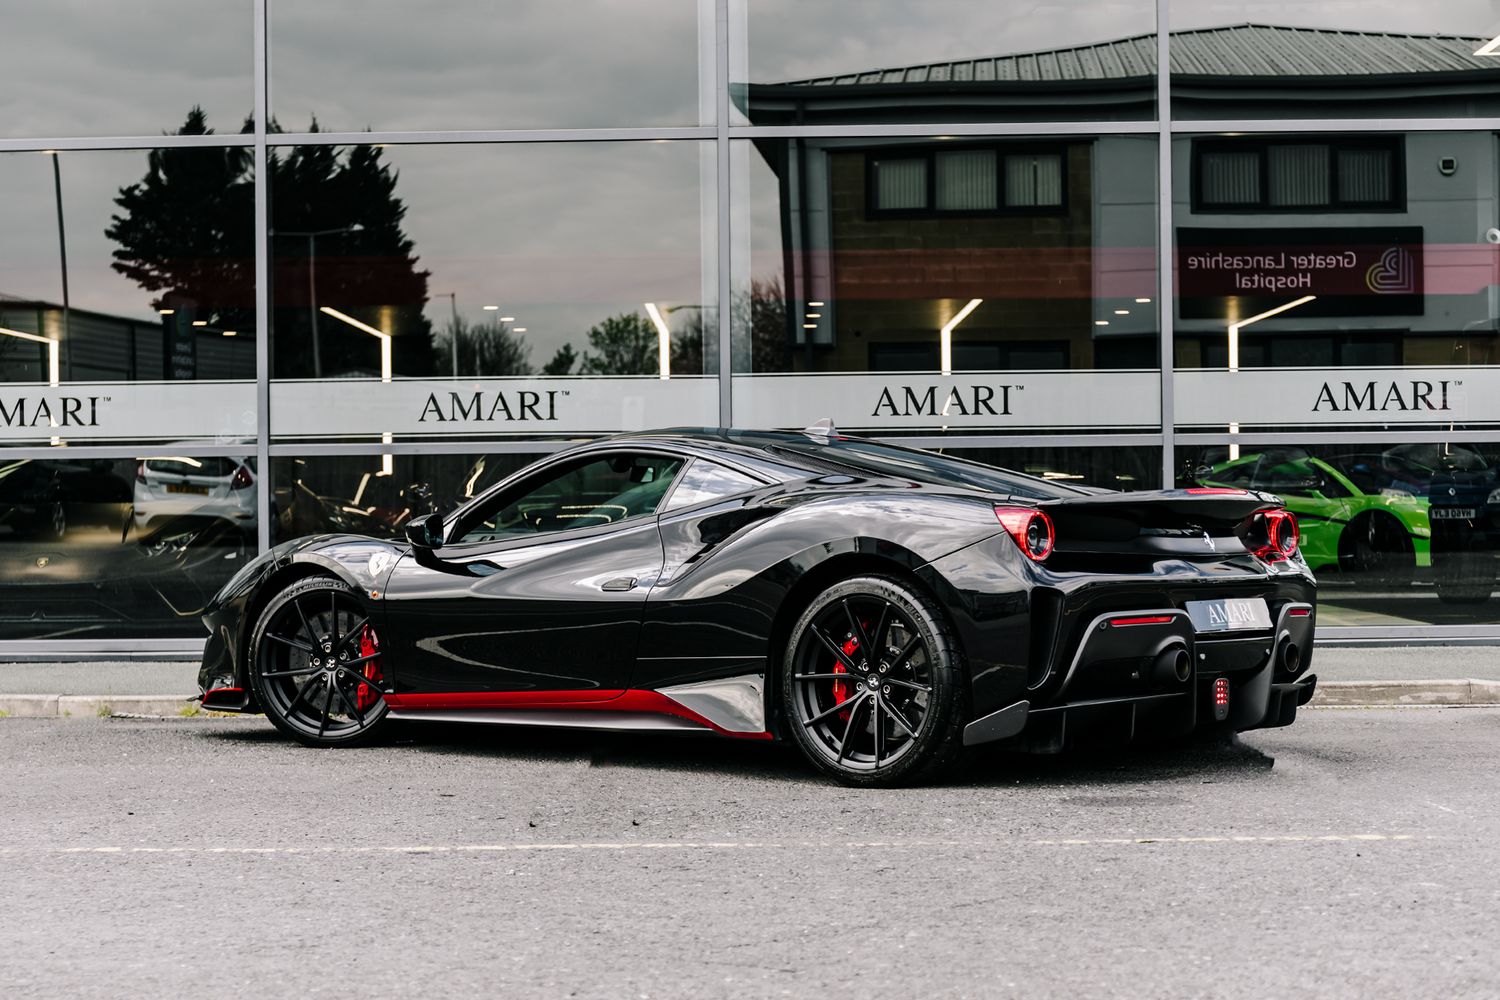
{"points": [[1353, 855]]}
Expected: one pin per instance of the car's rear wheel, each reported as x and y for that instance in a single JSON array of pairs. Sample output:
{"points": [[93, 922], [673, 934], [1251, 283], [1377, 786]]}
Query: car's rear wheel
{"points": [[872, 685], [316, 665]]}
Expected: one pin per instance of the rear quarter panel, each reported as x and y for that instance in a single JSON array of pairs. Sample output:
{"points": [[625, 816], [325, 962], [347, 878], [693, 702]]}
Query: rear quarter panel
{"points": [[737, 572]]}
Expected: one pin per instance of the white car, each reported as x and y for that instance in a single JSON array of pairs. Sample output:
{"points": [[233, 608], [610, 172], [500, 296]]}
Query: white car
{"points": [[180, 487]]}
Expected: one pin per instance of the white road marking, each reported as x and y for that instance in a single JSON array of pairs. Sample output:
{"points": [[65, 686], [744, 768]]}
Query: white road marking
{"points": [[730, 845]]}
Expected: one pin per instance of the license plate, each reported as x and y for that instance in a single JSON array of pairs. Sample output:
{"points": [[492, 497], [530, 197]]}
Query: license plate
{"points": [[1453, 513], [1229, 614], [201, 491]]}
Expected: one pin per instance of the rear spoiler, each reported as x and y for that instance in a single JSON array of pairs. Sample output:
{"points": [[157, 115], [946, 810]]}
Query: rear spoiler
{"points": [[1170, 519], [1215, 502]]}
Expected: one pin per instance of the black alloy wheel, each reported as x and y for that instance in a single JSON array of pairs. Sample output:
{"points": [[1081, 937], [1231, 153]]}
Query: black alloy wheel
{"points": [[873, 686], [316, 666]]}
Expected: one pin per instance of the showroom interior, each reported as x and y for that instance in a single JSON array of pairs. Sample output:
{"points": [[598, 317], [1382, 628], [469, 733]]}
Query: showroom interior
{"points": [[326, 267]]}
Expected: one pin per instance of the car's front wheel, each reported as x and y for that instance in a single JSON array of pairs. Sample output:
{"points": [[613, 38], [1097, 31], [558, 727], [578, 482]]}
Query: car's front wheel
{"points": [[316, 665], [873, 686]]}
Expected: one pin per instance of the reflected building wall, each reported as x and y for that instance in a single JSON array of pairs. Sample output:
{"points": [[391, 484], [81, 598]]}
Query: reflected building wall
{"points": [[483, 239]]}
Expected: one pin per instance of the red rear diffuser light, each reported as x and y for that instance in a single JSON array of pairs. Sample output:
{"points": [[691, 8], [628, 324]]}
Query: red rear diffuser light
{"points": [[1299, 613], [1221, 699], [1030, 528], [1141, 620]]}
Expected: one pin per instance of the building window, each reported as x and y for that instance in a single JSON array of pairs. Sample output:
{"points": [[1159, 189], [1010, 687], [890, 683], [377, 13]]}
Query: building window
{"points": [[966, 181], [1339, 175]]}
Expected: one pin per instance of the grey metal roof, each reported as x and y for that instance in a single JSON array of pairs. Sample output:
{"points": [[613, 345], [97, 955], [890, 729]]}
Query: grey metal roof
{"points": [[1234, 51]]}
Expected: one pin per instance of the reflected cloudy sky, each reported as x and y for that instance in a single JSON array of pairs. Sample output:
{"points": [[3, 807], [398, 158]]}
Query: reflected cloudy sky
{"points": [[559, 235], [81, 67], [478, 64]]}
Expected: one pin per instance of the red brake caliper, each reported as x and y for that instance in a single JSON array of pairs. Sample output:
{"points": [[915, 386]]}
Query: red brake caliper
{"points": [[365, 696], [841, 688]]}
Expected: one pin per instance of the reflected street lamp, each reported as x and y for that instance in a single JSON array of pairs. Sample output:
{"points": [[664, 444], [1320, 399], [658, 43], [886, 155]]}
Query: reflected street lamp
{"points": [[53, 365], [312, 280], [386, 461], [1234, 353]]}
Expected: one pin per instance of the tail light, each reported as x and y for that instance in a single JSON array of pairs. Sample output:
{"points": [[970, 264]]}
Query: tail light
{"points": [[1030, 528], [242, 479], [140, 472], [1272, 535]]}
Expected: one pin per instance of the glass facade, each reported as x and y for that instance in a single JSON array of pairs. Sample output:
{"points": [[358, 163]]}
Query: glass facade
{"points": [[334, 265]]}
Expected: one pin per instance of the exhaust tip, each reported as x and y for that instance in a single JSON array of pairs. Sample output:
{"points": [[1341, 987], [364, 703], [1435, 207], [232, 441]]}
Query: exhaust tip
{"points": [[1172, 664], [1291, 657]]}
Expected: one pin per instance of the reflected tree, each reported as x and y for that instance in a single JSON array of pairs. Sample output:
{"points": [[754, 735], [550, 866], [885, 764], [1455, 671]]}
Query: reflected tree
{"points": [[490, 348], [562, 362], [760, 309], [337, 240], [621, 345], [185, 232], [628, 344]]}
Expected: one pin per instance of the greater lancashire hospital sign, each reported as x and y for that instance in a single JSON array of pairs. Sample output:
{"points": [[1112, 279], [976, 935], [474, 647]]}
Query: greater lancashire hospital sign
{"points": [[1351, 271]]}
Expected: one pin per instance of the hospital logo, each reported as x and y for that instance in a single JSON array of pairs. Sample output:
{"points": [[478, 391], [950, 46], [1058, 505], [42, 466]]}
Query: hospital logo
{"points": [[1393, 274]]}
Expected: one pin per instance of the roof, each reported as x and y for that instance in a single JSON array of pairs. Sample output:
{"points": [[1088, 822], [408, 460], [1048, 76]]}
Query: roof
{"points": [[1235, 51]]}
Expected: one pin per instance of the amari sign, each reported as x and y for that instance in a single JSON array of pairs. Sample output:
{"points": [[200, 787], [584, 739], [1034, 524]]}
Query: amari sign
{"points": [[1013, 400], [489, 407], [1368, 271], [1342, 397], [97, 412]]}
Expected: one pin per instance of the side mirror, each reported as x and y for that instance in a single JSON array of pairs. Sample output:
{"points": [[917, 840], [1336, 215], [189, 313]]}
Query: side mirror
{"points": [[425, 532]]}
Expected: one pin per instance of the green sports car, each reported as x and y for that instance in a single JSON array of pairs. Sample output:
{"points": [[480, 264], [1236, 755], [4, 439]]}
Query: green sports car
{"points": [[1361, 514]]}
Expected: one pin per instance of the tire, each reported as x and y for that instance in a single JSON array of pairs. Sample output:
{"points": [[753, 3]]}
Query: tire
{"points": [[1465, 577], [1375, 547], [307, 625], [908, 726]]}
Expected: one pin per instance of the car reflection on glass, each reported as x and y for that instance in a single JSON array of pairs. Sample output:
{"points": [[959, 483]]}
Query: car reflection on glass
{"points": [[42, 499], [1358, 516], [167, 488], [96, 581], [1464, 496], [372, 505]]}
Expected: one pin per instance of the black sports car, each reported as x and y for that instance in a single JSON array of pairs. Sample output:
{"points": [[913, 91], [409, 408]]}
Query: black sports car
{"points": [[883, 607]]}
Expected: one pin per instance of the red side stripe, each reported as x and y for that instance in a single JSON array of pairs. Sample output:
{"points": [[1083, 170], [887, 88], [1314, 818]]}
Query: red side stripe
{"points": [[503, 699], [653, 702]]}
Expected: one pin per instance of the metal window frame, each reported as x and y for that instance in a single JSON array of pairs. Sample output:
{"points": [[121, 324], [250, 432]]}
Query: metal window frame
{"points": [[722, 132]]}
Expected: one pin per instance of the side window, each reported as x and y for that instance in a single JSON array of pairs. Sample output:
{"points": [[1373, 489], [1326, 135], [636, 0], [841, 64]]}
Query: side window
{"points": [[582, 494], [706, 480]]}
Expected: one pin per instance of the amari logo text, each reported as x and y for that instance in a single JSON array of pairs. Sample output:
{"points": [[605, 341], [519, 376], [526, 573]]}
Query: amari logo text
{"points": [[945, 401], [1401, 396], [50, 411]]}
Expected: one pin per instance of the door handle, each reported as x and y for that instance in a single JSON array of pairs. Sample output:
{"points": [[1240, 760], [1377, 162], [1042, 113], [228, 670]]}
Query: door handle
{"points": [[620, 583]]}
